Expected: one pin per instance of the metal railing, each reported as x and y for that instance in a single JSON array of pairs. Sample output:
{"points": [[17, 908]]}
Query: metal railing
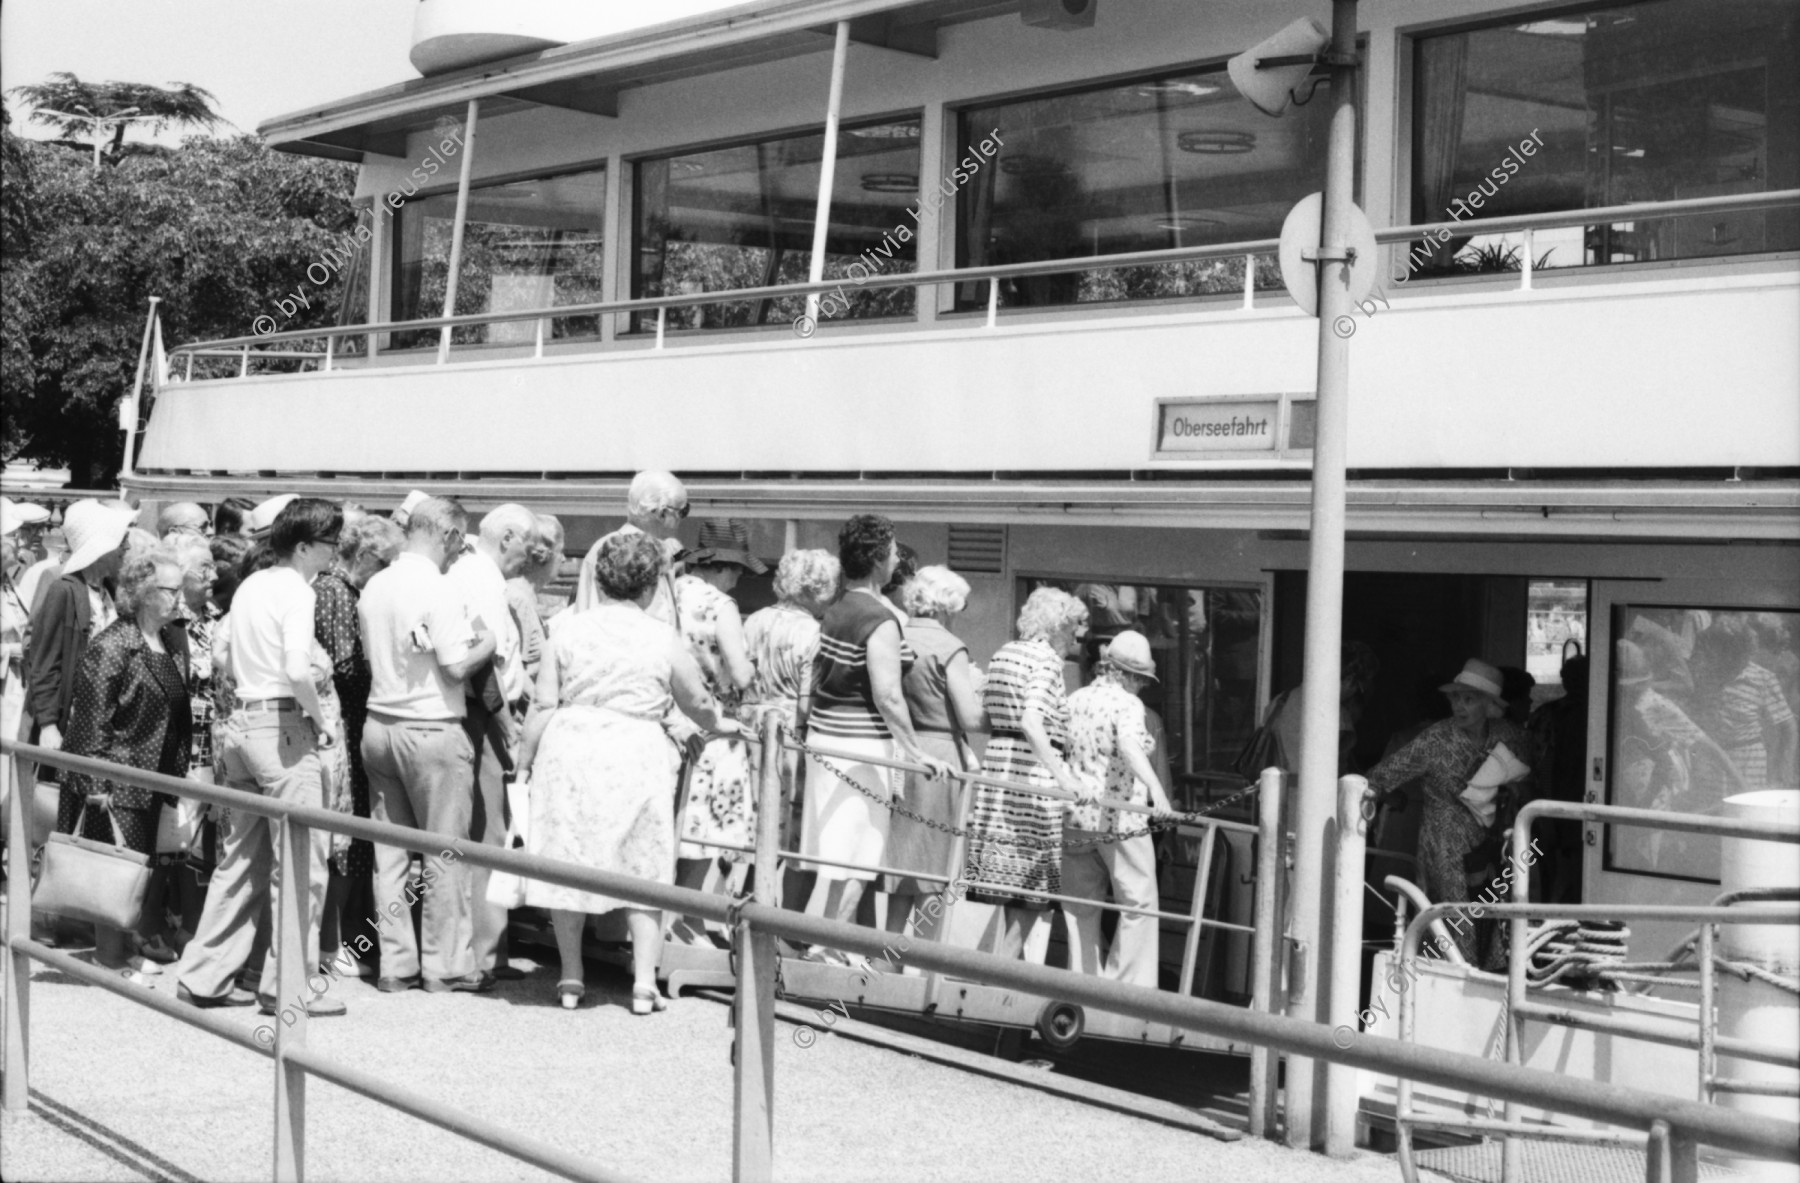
{"points": [[1518, 1008], [244, 347], [755, 925]]}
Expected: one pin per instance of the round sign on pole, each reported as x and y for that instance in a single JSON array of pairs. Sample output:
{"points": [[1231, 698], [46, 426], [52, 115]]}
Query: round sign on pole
{"points": [[1300, 235]]}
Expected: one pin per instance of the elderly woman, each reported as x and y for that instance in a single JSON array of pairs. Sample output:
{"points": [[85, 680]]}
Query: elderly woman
{"points": [[543, 561], [197, 617], [1455, 854], [130, 707], [945, 708], [1015, 836], [858, 708], [782, 641], [1109, 749], [603, 773], [721, 792], [366, 545]]}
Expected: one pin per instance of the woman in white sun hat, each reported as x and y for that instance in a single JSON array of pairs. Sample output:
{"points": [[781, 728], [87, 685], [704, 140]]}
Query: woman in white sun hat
{"points": [[1455, 853], [72, 610]]}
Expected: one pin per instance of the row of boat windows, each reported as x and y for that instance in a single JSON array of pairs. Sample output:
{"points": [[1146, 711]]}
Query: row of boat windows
{"points": [[1653, 101]]}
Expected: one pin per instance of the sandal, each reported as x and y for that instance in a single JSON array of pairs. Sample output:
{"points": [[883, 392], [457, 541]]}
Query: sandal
{"points": [[646, 1000], [571, 991]]}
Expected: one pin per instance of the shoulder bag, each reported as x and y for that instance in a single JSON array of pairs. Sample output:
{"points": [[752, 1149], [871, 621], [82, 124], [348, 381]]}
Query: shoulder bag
{"points": [[99, 882]]}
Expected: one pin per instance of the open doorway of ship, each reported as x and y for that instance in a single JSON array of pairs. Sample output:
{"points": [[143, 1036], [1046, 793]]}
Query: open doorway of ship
{"points": [[1422, 628]]}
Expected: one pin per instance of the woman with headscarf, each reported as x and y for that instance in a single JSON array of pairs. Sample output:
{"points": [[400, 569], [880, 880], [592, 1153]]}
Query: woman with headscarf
{"points": [[1015, 836], [1458, 850]]}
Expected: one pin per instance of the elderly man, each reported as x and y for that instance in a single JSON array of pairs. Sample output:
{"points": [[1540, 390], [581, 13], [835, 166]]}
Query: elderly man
{"points": [[183, 517], [1109, 749], [655, 504], [422, 651], [495, 697]]}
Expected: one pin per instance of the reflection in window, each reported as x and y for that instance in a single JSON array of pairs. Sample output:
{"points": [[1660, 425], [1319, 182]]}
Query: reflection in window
{"points": [[1179, 160], [1703, 708], [742, 217], [527, 244], [1648, 102], [1206, 643]]}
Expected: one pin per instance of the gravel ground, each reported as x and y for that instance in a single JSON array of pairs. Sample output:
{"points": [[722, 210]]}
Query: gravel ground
{"points": [[122, 1093]]}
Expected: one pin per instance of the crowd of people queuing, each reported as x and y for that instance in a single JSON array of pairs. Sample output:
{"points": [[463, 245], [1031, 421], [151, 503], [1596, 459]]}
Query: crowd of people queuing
{"points": [[401, 668]]}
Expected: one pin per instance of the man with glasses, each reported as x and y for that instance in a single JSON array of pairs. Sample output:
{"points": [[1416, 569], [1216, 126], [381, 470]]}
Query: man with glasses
{"points": [[655, 504], [183, 517], [270, 745], [422, 649]]}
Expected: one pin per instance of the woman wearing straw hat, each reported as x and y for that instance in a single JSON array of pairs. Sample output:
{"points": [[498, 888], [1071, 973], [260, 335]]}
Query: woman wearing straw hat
{"points": [[74, 608], [1454, 852], [721, 792]]}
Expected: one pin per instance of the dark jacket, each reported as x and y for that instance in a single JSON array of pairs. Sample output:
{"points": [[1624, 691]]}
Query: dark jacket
{"points": [[123, 712], [59, 633]]}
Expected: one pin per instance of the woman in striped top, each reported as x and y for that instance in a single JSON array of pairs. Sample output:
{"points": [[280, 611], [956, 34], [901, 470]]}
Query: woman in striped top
{"points": [[1015, 836], [857, 707]]}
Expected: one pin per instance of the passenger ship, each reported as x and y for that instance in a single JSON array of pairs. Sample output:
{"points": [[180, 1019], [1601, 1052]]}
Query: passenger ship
{"points": [[1574, 426]]}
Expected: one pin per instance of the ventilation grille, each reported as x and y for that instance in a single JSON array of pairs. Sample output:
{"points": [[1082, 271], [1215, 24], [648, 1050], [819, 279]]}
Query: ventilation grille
{"points": [[978, 550]]}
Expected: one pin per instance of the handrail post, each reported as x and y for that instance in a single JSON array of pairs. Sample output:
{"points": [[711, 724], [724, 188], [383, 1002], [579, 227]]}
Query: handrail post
{"points": [[244, 365], [1266, 920], [1190, 948], [993, 301], [1525, 267], [329, 342], [190, 368], [1346, 928], [292, 994], [953, 890], [753, 1109], [16, 1033], [1709, 1030], [457, 227], [1249, 282], [1518, 930], [662, 313], [537, 345]]}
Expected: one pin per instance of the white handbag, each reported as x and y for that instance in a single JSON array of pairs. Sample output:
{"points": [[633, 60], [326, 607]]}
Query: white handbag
{"points": [[504, 889]]}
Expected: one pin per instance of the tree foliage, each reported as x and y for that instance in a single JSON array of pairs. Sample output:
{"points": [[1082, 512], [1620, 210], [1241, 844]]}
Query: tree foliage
{"points": [[218, 228]]}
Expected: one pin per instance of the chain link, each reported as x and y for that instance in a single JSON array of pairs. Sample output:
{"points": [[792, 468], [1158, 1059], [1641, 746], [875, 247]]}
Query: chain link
{"points": [[1087, 843]]}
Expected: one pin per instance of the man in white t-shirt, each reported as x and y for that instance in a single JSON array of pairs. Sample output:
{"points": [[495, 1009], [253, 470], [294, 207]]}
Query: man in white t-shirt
{"points": [[422, 649], [496, 699], [269, 745]]}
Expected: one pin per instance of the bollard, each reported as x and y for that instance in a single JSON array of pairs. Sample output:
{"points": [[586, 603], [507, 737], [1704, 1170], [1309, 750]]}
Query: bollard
{"points": [[1344, 990], [1755, 1009]]}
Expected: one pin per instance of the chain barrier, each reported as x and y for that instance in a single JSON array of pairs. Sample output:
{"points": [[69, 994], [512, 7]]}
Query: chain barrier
{"points": [[1168, 822]]}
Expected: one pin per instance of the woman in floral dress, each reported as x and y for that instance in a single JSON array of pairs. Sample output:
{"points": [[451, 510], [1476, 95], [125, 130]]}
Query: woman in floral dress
{"points": [[1015, 836], [721, 790], [782, 640]]}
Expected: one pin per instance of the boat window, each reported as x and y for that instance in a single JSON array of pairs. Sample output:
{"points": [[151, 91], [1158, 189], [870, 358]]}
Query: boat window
{"points": [[1655, 101], [1171, 161], [527, 244], [1206, 642], [1555, 630], [1703, 708], [742, 216]]}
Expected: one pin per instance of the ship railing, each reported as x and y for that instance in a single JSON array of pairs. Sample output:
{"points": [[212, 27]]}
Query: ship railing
{"points": [[755, 924], [1752, 907], [256, 347]]}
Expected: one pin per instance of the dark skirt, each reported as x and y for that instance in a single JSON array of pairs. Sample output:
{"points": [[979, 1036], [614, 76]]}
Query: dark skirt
{"points": [[138, 826]]}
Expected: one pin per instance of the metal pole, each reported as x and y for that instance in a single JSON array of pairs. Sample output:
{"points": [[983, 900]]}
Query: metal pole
{"points": [[753, 1109], [129, 425], [1346, 928], [840, 50], [291, 996], [1264, 977], [1190, 948], [15, 1089], [1314, 803], [456, 230]]}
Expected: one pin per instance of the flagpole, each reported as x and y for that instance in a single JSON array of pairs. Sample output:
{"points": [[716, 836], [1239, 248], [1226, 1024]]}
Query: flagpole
{"points": [[128, 412]]}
